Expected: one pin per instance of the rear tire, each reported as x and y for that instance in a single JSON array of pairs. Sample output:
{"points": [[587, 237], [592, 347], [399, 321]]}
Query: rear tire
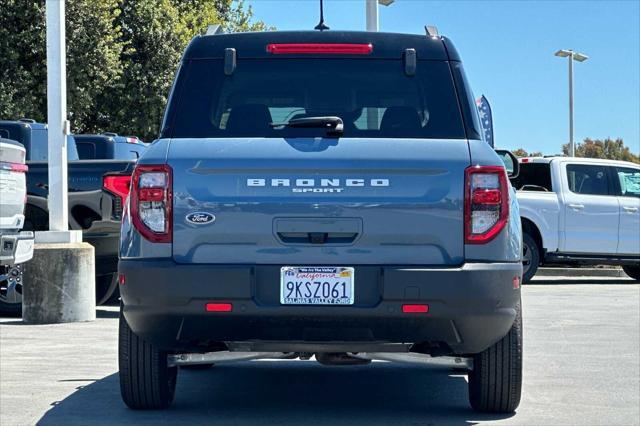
{"points": [[146, 380], [495, 383], [530, 257], [633, 271], [11, 281]]}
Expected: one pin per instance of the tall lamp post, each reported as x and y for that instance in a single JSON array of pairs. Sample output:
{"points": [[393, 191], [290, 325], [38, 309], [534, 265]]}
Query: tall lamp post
{"points": [[573, 56], [372, 12], [372, 25]]}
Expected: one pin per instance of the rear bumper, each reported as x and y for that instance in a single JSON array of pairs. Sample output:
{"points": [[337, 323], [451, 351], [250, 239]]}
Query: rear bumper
{"points": [[16, 247], [470, 307]]}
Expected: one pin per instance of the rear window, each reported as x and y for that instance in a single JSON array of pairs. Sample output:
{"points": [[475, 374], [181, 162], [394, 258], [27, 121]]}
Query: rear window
{"points": [[373, 97], [533, 177], [86, 150]]}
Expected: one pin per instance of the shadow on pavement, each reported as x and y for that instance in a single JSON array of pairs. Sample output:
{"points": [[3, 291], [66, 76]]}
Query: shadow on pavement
{"points": [[286, 392], [104, 313], [580, 280]]}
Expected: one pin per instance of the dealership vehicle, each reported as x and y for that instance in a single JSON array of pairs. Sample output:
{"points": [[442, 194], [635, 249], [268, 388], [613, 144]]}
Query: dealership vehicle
{"points": [[109, 146], [16, 246], [320, 193], [579, 211], [95, 200]]}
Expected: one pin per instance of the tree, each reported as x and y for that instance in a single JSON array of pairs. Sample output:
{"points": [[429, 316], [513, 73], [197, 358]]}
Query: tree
{"points": [[235, 18], [521, 152], [608, 148], [121, 57], [93, 53]]}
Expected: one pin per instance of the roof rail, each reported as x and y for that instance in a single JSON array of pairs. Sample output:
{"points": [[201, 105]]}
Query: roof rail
{"points": [[213, 29], [27, 120], [112, 134]]}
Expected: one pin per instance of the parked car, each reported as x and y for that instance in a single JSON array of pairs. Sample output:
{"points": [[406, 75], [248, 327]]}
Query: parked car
{"points": [[579, 211], [97, 189], [109, 146], [16, 246], [324, 193]]}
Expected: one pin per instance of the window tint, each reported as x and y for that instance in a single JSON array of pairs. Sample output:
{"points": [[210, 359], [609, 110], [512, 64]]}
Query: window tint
{"points": [[373, 97], [629, 181], [86, 150], [39, 149], [588, 179], [469, 107], [533, 177]]}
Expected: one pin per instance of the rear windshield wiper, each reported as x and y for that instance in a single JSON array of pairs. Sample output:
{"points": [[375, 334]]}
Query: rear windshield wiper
{"points": [[333, 125]]}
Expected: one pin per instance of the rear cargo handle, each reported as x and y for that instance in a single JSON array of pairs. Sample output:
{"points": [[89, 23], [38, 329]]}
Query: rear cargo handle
{"points": [[317, 230]]}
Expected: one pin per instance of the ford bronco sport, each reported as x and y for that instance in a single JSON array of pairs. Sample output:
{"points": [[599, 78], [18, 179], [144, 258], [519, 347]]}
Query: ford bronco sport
{"points": [[322, 194]]}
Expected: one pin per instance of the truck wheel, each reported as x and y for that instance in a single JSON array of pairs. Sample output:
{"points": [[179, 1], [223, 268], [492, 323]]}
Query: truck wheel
{"points": [[495, 383], [633, 271], [146, 381], [11, 290], [530, 257]]}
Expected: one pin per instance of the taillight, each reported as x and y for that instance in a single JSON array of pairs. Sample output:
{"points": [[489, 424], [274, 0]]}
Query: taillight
{"points": [[14, 167], [320, 48], [151, 202], [486, 203], [119, 185]]}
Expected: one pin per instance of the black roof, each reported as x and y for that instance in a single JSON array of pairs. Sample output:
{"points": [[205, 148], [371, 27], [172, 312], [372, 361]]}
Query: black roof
{"points": [[385, 45]]}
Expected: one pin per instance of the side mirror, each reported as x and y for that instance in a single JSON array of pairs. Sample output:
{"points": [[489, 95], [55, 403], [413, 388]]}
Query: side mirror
{"points": [[510, 163]]}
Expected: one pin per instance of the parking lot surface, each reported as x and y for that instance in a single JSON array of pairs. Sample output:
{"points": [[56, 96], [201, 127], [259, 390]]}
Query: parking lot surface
{"points": [[582, 366]]}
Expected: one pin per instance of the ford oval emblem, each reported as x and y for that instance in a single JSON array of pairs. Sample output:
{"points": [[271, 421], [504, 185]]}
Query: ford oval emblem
{"points": [[200, 218]]}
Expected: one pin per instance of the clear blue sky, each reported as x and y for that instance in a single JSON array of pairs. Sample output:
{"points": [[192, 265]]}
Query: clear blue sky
{"points": [[507, 48]]}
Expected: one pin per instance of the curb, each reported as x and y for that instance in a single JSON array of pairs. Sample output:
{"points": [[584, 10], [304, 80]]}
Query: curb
{"points": [[581, 272]]}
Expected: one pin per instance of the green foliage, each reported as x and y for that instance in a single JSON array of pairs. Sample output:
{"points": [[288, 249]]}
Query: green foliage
{"points": [[521, 152], [121, 57], [235, 19], [608, 148]]}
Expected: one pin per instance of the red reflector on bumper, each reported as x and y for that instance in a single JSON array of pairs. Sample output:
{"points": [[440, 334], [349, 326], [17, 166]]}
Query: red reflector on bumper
{"points": [[415, 309], [122, 279], [219, 307]]}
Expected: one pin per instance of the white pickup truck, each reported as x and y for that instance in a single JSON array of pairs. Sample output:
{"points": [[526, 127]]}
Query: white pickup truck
{"points": [[16, 246], [579, 211]]}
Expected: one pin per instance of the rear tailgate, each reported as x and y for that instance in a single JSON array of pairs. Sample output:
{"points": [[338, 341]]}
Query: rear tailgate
{"points": [[12, 184], [318, 201]]}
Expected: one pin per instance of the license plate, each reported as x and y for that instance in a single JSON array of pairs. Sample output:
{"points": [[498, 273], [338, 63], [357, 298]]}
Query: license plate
{"points": [[318, 285]]}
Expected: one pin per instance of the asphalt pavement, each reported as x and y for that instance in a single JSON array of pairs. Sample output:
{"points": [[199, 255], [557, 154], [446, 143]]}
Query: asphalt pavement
{"points": [[581, 367]]}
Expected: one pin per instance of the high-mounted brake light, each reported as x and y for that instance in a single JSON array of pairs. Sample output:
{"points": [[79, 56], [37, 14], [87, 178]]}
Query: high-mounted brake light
{"points": [[486, 203], [119, 185], [151, 202], [320, 48]]}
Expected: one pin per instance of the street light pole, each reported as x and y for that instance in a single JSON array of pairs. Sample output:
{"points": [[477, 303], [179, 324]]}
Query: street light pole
{"points": [[572, 56], [58, 126], [572, 146], [371, 8], [372, 15]]}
